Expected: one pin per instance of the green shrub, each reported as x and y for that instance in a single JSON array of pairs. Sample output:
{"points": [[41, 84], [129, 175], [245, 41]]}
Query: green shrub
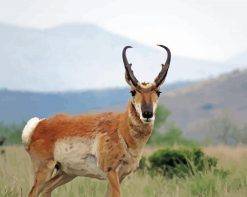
{"points": [[180, 162], [142, 163], [11, 132], [166, 133], [173, 136]]}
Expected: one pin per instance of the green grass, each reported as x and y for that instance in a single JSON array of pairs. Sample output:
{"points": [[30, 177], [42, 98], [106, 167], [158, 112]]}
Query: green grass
{"points": [[16, 179]]}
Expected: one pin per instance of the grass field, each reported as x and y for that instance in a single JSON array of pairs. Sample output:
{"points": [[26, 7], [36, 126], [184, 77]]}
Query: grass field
{"points": [[16, 179]]}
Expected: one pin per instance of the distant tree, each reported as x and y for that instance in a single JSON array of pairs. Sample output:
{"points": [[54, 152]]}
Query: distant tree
{"points": [[11, 133], [161, 117], [166, 132], [223, 130], [2, 140], [243, 135]]}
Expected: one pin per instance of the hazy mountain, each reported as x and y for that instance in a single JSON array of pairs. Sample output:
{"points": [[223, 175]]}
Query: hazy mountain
{"points": [[196, 104], [192, 106], [18, 106], [83, 56], [240, 60]]}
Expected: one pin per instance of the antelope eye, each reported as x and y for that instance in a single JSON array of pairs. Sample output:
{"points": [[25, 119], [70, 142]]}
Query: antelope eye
{"points": [[158, 93], [133, 92]]}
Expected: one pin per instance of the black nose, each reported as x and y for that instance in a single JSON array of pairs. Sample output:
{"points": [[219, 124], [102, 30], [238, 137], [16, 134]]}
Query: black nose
{"points": [[147, 114]]}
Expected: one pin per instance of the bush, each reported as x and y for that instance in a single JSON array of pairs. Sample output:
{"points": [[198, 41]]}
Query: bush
{"points": [[180, 162], [12, 133], [173, 134]]}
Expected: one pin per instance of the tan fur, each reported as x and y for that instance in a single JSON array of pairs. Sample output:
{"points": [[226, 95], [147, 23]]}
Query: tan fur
{"points": [[119, 139], [103, 146]]}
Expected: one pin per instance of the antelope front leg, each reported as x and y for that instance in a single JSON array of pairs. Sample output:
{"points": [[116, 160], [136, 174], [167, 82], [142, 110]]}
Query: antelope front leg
{"points": [[113, 189]]}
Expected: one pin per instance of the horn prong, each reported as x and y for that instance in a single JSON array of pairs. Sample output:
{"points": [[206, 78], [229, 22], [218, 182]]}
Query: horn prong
{"points": [[162, 75], [127, 66]]}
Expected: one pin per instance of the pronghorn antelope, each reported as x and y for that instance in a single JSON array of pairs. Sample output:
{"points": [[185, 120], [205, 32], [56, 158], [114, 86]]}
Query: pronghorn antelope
{"points": [[103, 146]]}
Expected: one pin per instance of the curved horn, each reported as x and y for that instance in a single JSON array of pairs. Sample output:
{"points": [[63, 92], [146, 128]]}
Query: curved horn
{"points": [[162, 75], [129, 72]]}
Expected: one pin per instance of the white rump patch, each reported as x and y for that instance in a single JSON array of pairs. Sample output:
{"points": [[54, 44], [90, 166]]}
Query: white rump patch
{"points": [[28, 130]]}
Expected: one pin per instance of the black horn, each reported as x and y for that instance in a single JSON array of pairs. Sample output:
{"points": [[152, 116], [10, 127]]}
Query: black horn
{"points": [[127, 65], [162, 75]]}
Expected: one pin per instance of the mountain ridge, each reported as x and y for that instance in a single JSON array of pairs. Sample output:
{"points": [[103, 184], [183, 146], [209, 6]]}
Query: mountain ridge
{"points": [[195, 105], [18, 106], [84, 56]]}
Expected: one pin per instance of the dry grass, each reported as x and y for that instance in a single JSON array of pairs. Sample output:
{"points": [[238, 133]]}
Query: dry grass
{"points": [[228, 156], [16, 179]]}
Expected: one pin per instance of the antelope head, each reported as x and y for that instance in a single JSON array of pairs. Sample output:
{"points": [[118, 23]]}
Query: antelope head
{"points": [[145, 95]]}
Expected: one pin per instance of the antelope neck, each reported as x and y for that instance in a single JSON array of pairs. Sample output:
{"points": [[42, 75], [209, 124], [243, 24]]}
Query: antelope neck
{"points": [[136, 131]]}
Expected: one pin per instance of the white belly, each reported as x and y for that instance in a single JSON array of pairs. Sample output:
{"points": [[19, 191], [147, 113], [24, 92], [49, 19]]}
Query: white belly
{"points": [[78, 156]]}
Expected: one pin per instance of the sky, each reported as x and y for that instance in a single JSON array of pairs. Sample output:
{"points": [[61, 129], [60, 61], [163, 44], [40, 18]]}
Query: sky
{"points": [[203, 29]]}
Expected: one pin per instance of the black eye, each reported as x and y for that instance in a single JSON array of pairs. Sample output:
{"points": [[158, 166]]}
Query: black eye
{"points": [[133, 92], [158, 92]]}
